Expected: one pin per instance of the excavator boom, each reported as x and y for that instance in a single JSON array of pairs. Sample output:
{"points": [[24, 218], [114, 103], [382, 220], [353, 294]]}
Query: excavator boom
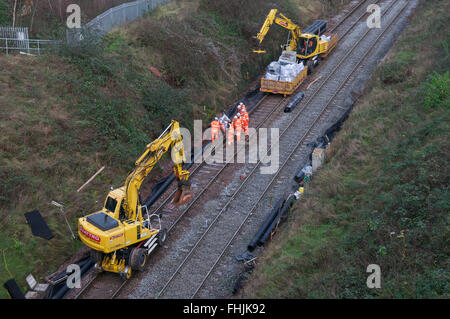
{"points": [[170, 138], [282, 21], [116, 232]]}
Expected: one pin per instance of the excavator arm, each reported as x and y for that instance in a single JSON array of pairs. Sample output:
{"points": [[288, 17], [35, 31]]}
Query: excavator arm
{"points": [[170, 139], [282, 21]]}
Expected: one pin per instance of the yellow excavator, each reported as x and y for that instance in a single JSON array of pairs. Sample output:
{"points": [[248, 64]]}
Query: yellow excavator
{"points": [[124, 233], [310, 45]]}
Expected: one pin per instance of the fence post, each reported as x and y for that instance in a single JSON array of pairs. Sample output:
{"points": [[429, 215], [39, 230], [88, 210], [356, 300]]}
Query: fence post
{"points": [[6, 46], [39, 47]]}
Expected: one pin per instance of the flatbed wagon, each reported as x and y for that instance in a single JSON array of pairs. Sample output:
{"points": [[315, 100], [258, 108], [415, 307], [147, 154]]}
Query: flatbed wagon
{"points": [[283, 87]]}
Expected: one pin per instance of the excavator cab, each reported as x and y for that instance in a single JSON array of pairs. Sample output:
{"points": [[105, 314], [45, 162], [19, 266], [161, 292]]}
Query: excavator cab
{"points": [[307, 45]]}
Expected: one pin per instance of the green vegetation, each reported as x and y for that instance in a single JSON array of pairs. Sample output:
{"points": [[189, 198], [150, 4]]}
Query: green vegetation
{"points": [[64, 116], [4, 13], [382, 196]]}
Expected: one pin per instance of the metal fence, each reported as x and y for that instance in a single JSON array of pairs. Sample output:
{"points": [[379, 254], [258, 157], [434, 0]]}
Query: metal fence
{"points": [[15, 40], [18, 37], [112, 18], [33, 46]]}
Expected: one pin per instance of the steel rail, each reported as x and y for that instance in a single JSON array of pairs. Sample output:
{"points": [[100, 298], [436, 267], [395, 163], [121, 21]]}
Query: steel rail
{"points": [[295, 149], [256, 107], [260, 161]]}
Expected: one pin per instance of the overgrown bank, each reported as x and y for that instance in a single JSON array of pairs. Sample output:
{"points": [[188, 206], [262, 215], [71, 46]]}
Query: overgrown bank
{"points": [[63, 117], [382, 196]]}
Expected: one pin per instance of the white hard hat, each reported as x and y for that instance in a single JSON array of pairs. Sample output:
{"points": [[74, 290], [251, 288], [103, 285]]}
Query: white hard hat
{"points": [[216, 118], [239, 114], [235, 117]]}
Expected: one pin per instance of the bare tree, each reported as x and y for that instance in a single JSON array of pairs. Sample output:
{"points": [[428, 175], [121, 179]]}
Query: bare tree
{"points": [[32, 17], [14, 13]]}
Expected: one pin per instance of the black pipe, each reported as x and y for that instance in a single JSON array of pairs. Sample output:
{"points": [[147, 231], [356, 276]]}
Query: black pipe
{"points": [[61, 292], [57, 290], [294, 101], [317, 28], [154, 196], [252, 245], [287, 204], [13, 289]]}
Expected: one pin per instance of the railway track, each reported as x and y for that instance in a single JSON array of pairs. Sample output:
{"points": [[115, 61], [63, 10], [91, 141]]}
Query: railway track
{"points": [[191, 270], [204, 174], [207, 172], [301, 142]]}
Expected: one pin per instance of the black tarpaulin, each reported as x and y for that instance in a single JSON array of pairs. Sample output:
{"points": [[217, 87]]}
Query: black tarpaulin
{"points": [[38, 225], [13, 289]]}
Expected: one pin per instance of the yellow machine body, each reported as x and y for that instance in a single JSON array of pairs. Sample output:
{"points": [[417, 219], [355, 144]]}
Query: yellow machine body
{"points": [[314, 45], [123, 224], [127, 232]]}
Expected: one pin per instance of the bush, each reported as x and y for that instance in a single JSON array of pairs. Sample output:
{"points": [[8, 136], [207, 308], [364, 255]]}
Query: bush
{"points": [[164, 104], [187, 56], [437, 91], [4, 13], [394, 72]]}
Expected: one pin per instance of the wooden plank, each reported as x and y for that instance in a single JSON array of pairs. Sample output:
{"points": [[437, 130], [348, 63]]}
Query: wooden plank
{"points": [[90, 179]]}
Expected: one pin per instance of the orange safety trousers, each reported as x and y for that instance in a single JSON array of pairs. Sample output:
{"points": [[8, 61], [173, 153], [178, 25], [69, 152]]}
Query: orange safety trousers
{"points": [[238, 127], [215, 127], [230, 135], [245, 122]]}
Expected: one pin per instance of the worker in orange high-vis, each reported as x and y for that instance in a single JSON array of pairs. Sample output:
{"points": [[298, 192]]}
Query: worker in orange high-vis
{"points": [[243, 108], [237, 123], [223, 126], [230, 137], [245, 121], [215, 127]]}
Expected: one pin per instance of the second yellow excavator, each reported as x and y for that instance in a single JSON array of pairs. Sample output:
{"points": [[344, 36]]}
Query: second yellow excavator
{"points": [[310, 45], [123, 233]]}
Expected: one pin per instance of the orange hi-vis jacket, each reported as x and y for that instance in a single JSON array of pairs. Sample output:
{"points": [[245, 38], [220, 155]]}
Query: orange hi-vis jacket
{"points": [[237, 123], [230, 138], [245, 122], [215, 127]]}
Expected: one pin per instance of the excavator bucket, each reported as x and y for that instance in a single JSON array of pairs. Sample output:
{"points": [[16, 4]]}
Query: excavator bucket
{"points": [[183, 195]]}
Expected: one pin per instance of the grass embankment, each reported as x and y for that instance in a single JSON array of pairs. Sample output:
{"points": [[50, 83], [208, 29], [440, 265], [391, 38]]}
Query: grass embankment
{"points": [[63, 117], [46, 19], [382, 196], [205, 47]]}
